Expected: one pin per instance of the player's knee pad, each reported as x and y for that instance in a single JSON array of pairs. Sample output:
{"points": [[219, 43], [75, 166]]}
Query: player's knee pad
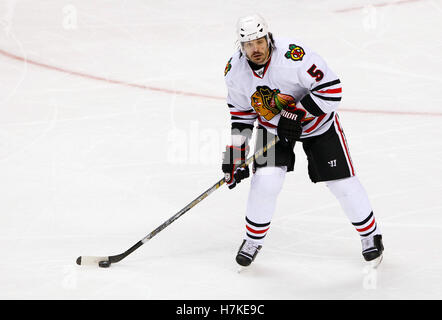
{"points": [[352, 197], [268, 181], [345, 187], [264, 189]]}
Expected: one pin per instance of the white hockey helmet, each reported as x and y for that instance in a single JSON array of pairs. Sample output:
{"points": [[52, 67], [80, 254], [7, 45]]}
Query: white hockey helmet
{"points": [[251, 27]]}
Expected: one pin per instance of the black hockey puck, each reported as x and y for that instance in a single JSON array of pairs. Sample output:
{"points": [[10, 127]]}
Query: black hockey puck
{"points": [[79, 261], [104, 264]]}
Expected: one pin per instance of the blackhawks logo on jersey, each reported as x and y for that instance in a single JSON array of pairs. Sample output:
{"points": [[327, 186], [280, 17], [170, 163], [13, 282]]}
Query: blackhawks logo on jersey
{"points": [[269, 102], [228, 67], [295, 52]]}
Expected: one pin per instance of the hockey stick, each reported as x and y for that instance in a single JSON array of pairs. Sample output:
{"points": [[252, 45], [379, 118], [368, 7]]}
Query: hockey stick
{"points": [[105, 262]]}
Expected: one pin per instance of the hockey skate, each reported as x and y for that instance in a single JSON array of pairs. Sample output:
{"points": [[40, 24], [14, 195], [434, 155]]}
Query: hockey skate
{"points": [[372, 249], [247, 253]]}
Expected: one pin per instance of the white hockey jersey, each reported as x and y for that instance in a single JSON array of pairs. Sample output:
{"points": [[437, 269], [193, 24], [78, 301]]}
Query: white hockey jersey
{"points": [[294, 76]]}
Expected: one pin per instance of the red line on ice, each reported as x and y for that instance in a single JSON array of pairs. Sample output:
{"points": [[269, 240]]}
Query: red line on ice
{"points": [[383, 4], [98, 78], [186, 93]]}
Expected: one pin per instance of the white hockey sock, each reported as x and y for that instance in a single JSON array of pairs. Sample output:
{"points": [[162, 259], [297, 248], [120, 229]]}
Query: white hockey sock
{"points": [[356, 205], [265, 187]]}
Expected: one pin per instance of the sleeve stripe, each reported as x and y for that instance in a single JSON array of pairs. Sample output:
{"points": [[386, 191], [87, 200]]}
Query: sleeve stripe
{"points": [[305, 123], [310, 105], [240, 118], [251, 121], [327, 84], [243, 113], [326, 98], [318, 120], [337, 90], [267, 124]]}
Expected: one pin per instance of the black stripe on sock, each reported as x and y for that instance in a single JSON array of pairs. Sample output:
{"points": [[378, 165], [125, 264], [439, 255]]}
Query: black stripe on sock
{"points": [[258, 225], [363, 222], [255, 237], [367, 234]]}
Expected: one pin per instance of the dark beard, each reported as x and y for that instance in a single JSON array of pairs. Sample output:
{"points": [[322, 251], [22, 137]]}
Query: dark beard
{"points": [[256, 66]]}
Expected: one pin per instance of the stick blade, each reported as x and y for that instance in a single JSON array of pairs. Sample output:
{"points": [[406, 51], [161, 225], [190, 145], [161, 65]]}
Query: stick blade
{"points": [[91, 260]]}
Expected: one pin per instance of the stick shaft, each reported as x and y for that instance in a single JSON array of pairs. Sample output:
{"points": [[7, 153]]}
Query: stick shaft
{"points": [[197, 200]]}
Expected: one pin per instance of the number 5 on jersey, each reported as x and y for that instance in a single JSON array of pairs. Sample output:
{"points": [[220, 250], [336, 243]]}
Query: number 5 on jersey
{"points": [[315, 73]]}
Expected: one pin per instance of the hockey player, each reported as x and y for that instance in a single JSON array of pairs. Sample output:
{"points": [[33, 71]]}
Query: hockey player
{"points": [[293, 94]]}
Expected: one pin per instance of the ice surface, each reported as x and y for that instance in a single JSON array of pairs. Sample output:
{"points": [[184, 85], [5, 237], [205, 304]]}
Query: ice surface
{"points": [[112, 119]]}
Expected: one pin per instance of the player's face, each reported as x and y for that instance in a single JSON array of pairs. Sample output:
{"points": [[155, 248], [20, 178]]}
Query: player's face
{"points": [[257, 50]]}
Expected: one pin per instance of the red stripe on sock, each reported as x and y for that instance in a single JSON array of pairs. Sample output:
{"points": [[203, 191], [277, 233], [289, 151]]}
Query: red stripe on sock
{"points": [[366, 228], [256, 231]]}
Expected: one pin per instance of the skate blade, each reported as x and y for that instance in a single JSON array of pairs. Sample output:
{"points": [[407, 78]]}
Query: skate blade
{"points": [[242, 269], [376, 262]]}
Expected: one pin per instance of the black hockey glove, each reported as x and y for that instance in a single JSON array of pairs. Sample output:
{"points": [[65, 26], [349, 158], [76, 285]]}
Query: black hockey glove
{"points": [[289, 125], [233, 158]]}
